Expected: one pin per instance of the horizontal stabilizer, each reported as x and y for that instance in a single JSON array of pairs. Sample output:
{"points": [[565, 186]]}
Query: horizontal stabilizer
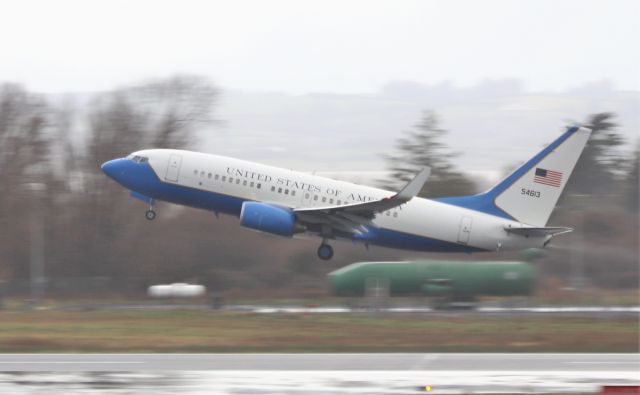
{"points": [[539, 232]]}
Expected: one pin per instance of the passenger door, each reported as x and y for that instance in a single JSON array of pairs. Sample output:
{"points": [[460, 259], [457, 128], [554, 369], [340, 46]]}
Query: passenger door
{"points": [[465, 230], [173, 169]]}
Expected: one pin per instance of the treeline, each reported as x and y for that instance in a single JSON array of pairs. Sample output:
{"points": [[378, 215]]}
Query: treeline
{"points": [[58, 211], [62, 218]]}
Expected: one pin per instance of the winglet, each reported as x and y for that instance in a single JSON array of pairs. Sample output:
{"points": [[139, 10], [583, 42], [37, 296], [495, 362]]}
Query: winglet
{"points": [[413, 187]]}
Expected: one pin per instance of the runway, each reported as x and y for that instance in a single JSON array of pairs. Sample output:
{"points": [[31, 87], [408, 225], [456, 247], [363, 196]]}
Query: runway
{"points": [[275, 374], [565, 311], [574, 311], [320, 362]]}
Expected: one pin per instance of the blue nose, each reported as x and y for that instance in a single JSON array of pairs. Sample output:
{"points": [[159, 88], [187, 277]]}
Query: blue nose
{"points": [[114, 168]]}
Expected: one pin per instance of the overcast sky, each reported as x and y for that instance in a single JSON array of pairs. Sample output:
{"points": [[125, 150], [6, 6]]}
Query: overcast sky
{"points": [[319, 46]]}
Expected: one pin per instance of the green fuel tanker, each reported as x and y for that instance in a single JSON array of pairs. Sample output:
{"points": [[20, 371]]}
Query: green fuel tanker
{"points": [[455, 280]]}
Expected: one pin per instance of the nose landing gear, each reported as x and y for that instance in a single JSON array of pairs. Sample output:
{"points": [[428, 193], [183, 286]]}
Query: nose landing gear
{"points": [[325, 251], [150, 214]]}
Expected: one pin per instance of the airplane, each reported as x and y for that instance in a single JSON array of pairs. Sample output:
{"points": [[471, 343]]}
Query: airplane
{"points": [[512, 215]]}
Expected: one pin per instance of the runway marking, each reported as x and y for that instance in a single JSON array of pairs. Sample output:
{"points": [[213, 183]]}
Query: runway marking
{"points": [[604, 362], [630, 362], [495, 354], [70, 362]]}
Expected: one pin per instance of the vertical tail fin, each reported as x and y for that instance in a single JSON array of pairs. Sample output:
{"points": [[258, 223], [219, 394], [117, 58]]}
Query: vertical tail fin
{"points": [[531, 192]]}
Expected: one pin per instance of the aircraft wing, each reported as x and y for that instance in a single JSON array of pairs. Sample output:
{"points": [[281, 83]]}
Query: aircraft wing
{"points": [[352, 218], [539, 232]]}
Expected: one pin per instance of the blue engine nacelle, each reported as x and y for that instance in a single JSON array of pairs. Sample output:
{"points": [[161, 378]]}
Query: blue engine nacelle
{"points": [[268, 218]]}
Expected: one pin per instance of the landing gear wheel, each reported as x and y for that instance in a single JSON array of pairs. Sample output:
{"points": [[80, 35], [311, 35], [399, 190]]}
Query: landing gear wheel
{"points": [[150, 215], [325, 252]]}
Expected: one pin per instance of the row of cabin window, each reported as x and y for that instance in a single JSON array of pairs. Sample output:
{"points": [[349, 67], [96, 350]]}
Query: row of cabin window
{"points": [[285, 190], [324, 199], [280, 189], [217, 177], [339, 202]]}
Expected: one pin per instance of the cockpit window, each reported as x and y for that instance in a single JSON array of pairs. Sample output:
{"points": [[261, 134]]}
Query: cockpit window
{"points": [[138, 159]]}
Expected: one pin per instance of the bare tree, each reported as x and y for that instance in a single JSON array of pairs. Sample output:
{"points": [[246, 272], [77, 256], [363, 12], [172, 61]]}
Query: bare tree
{"points": [[174, 108], [23, 145], [23, 159], [633, 186], [158, 114]]}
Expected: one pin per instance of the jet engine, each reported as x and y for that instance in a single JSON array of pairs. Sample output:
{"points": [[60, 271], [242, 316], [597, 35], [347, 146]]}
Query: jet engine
{"points": [[268, 218]]}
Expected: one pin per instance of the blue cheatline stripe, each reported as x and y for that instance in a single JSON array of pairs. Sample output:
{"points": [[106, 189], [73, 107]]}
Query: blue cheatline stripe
{"points": [[407, 241], [485, 202], [141, 178]]}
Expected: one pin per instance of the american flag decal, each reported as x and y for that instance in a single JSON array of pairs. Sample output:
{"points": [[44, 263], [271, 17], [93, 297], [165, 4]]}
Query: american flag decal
{"points": [[548, 177]]}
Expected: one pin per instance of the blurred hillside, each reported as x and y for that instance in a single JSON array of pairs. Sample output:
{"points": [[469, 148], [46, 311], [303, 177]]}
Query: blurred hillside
{"points": [[493, 124]]}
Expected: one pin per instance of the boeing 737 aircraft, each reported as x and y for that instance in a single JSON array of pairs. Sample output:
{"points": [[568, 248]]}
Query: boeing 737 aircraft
{"points": [[510, 216]]}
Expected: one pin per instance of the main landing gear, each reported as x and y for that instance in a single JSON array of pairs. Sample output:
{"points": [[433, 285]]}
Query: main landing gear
{"points": [[325, 251], [150, 214]]}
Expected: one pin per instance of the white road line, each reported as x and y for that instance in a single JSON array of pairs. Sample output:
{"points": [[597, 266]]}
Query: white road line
{"points": [[69, 362], [373, 355], [605, 362]]}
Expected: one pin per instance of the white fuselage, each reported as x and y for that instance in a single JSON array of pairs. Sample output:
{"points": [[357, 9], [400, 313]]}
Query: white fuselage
{"points": [[248, 181]]}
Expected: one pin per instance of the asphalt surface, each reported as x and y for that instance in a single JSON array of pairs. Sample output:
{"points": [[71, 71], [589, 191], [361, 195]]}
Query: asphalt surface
{"points": [[320, 362]]}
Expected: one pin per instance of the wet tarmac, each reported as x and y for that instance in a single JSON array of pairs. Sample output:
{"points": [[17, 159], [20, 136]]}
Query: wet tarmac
{"points": [[309, 382]]}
